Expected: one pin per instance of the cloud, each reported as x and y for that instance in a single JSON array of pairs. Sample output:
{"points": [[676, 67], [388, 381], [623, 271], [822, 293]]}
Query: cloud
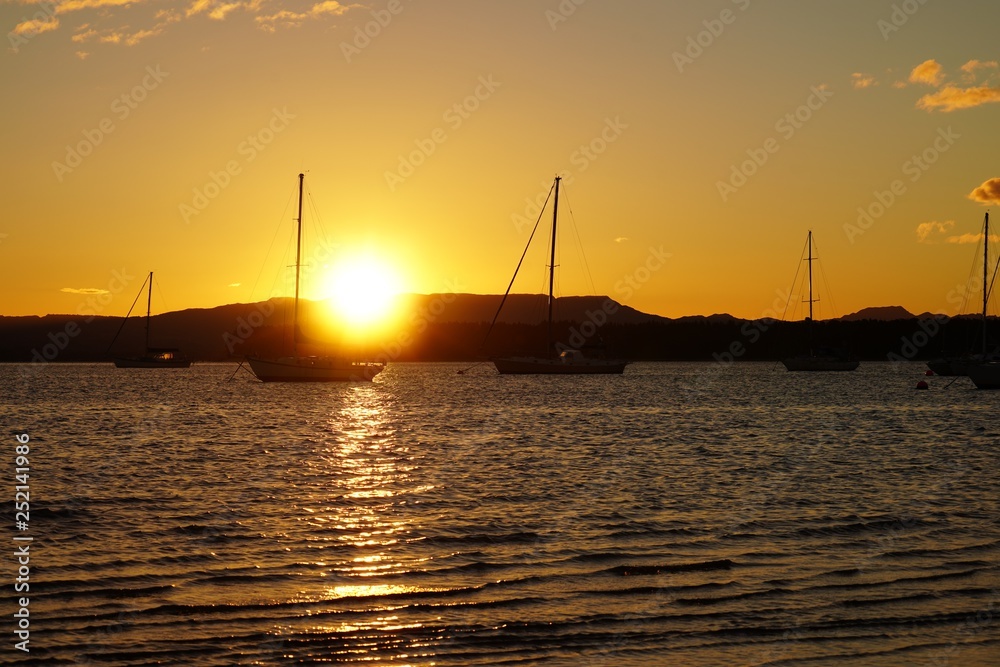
{"points": [[234, 284], [84, 290], [129, 22], [972, 66], [987, 193], [290, 19], [860, 80], [952, 98], [928, 72], [621, 239], [33, 27], [968, 239], [926, 229]]}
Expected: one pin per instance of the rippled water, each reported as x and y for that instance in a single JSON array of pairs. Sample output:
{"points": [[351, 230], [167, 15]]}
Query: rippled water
{"points": [[681, 514]]}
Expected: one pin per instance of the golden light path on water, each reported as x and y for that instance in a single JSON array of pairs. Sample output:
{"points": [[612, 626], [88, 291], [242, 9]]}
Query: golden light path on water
{"points": [[371, 473]]}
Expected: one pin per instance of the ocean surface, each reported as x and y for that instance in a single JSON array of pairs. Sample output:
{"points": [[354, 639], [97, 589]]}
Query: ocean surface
{"points": [[680, 514]]}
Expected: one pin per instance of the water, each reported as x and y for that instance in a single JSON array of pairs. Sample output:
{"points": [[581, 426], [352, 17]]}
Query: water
{"points": [[681, 514]]}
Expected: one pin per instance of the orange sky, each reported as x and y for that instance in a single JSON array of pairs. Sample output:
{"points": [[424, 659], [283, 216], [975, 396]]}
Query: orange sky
{"points": [[167, 136]]}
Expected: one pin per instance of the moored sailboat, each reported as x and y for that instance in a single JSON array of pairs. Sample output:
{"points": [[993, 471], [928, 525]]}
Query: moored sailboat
{"points": [[961, 365], [305, 368], [818, 359], [152, 357], [567, 361]]}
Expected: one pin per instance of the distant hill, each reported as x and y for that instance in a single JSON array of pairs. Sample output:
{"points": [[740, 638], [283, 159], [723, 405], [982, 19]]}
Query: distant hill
{"points": [[880, 314], [453, 327]]}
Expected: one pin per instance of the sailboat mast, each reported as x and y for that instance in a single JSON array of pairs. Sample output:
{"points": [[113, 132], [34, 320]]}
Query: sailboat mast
{"points": [[986, 266], [298, 264], [149, 307], [810, 244], [552, 265]]}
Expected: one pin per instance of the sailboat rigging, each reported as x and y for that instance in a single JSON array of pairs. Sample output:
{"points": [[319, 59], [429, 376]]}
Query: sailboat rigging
{"points": [[302, 368], [959, 365], [568, 361], [152, 357], [821, 359]]}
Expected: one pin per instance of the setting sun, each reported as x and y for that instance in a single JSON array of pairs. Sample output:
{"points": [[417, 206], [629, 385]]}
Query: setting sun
{"points": [[362, 290]]}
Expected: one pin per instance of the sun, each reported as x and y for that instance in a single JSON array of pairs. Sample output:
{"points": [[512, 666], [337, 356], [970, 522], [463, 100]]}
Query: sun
{"points": [[362, 291]]}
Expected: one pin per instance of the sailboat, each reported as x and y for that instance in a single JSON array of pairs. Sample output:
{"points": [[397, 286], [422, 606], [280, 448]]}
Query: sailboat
{"points": [[822, 359], [153, 357], [568, 361], [952, 366], [300, 368]]}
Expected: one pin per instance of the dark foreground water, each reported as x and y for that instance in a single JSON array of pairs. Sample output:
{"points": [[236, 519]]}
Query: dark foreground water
{"points": [[682, 514]]}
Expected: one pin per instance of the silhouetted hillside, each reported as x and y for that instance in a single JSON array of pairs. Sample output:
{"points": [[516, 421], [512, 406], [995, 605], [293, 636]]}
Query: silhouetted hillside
{"points": [[442, 327], [882, 314]]}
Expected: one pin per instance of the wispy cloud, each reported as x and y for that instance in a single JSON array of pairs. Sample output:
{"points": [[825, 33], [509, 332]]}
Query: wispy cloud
{"points": [[860, 80], [621, 239], [970, 68], [987, 193], [974, 86], [290, 19], [968, 239], [129, 22], [927, 230], [952, 98], [84, 290]]}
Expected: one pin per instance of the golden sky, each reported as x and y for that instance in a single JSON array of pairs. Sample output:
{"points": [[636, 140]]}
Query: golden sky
{"points": [[699, 142]]}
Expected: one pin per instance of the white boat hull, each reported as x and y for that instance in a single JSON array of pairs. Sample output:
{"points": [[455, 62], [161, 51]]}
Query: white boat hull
{"points": [[820, 364], [313, 369], [558, 366], [984, 376]]}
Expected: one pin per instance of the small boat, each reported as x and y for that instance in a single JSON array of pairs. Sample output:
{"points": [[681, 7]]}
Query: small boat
{"points": [[961, 365], [301, 368], [818, 359], [567, 361], [153, 357]]}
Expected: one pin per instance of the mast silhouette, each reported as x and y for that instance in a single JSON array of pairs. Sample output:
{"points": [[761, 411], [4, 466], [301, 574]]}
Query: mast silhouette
{"points": [[298, 264], [986, 266], [552, 268], [149, 307]]}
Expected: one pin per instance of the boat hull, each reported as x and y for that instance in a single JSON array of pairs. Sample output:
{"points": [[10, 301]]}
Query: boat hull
{"points": [[985, 376], [313, 369], [152, 363], [820, 364], [537, 366], [948, 367]]}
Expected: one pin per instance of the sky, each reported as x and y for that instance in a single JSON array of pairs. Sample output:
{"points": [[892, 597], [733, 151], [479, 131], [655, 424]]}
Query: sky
{"points": [[698, 143]]}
